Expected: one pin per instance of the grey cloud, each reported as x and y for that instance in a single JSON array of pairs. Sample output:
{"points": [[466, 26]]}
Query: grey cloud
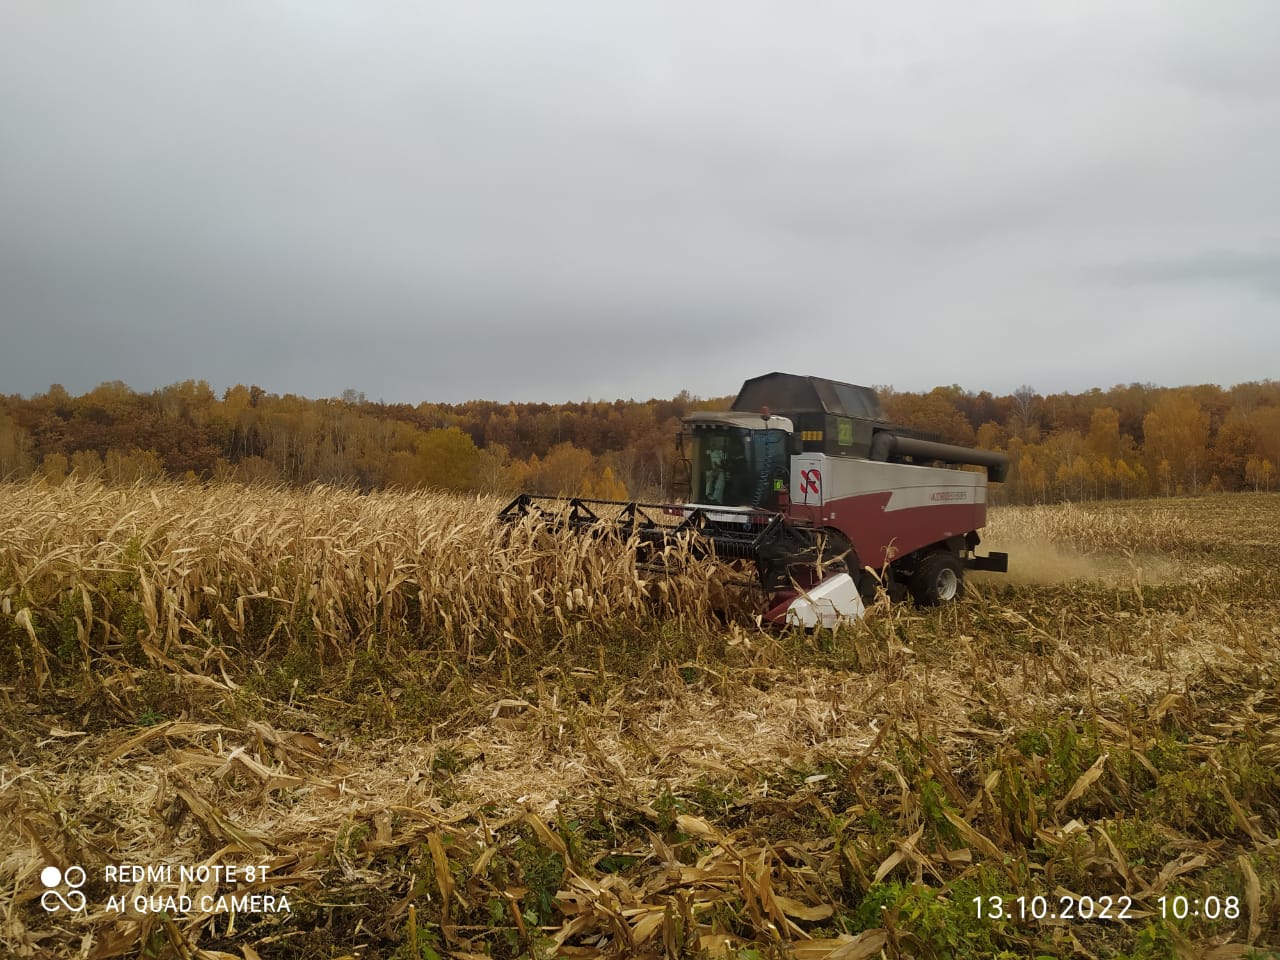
{"points": [[1253, 270]]}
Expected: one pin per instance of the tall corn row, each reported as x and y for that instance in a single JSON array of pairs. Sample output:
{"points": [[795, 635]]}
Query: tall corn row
{"points": [[188, 574], [1094, 530]]}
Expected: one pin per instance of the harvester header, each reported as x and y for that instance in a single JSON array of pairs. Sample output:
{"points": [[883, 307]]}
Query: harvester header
{"points": [[806, 481]]}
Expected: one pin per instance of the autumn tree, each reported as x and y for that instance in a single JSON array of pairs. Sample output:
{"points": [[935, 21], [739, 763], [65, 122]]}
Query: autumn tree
{"points": [[1025, 422], [609, 487], [1265, 422], [447, 460], [1126, 479], [1259, 472], [1104, 475], [1176, 437], [133, 466], [86, 465], [566, 470], [54, 467], [934, 412], [1103, 441], [493, 469], [15, 448], [1234, 444], [1033, 476], [992, 436]]}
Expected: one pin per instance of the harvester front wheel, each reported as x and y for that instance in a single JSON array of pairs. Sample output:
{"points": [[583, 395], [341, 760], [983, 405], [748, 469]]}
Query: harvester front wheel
{"points": [[938, 579]]}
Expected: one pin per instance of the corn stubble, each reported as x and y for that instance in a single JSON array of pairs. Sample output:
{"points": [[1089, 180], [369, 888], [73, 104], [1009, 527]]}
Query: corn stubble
{"points": [[451, 738]]}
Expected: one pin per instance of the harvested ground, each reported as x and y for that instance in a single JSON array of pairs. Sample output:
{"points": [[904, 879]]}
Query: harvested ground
{"points": [[1100, 729]]}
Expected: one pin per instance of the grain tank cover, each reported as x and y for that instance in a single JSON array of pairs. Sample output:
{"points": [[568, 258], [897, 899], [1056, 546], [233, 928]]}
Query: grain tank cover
{"points": [[789, 393], [835, 418]]}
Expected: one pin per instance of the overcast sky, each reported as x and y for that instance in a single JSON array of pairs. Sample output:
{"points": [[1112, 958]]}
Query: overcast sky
{"points": [[556, 200]]}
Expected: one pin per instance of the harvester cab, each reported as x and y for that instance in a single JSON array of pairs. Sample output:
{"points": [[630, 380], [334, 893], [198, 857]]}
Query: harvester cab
{"points": [[825, 501], [738, 459]]}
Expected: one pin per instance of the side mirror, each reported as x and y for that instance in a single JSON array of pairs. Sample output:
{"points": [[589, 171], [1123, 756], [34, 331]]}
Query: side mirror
{"points": [[795, 444]]}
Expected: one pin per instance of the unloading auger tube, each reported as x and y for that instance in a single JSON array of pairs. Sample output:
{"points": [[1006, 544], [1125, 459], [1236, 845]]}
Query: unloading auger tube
{"points": [[886, 445]]}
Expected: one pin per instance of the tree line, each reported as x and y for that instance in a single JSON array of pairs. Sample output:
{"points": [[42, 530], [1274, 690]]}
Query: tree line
{"points": [[1130, 441]]}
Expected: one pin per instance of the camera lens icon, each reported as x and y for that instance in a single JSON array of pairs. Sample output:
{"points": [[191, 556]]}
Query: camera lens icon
{"points": [[52, 900]]}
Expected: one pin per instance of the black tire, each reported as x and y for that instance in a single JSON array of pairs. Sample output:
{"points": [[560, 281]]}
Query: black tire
{"points": [[939, 578]]}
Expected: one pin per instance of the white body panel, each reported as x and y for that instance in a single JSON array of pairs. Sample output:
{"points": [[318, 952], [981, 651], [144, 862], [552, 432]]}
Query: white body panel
{"points": [[909, 485], [808, 476], [832, 602]]}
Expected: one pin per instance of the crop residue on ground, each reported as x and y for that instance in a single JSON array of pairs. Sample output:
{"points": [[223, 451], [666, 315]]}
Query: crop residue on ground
{"points": [[446, 740]]}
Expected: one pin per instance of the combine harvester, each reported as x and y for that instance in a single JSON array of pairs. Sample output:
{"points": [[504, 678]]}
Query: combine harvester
{"points": [[805, 480]]}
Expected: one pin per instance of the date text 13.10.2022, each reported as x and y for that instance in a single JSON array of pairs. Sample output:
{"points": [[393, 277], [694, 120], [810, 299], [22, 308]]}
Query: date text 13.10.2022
{"points": [[1103, 908]]}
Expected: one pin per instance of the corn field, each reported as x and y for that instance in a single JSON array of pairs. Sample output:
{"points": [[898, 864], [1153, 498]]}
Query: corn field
{"points": [[202, 577], [441, 736]]}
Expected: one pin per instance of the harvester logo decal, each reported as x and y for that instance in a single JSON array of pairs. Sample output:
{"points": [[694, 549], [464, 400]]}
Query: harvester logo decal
{"points": [[811, 482]]}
